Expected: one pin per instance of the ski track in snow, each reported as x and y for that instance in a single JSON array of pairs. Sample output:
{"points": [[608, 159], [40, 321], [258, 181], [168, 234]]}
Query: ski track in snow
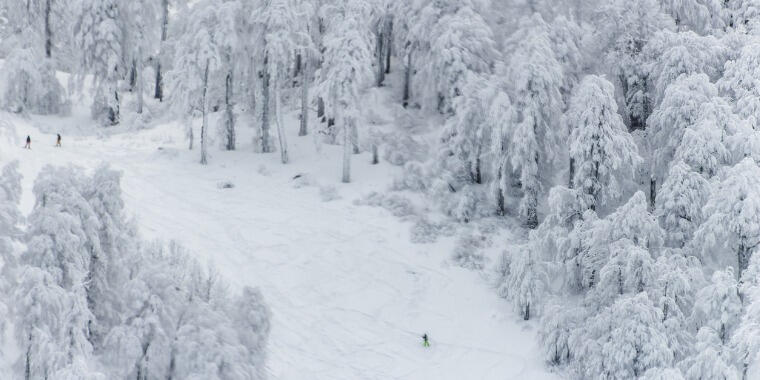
{"points": [[349, 293]]}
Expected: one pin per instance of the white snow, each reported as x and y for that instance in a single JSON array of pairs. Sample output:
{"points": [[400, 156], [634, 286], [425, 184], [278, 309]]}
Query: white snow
{"points": [[349, 293]]}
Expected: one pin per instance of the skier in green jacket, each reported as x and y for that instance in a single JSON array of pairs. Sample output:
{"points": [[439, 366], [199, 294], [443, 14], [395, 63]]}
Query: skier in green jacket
{"points": [[425, 342]]}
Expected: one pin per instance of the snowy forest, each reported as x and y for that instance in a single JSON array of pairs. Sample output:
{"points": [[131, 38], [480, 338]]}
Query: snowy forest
{"points": [[601, 157]]}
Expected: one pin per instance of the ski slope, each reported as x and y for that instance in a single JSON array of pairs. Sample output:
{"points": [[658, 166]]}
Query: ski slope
{"points": [[349, 293]]}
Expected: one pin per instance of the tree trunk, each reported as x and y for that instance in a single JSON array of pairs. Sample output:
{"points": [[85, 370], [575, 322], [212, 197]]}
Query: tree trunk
{"points": [[229, 122], [204, 109], [164, 32], [48, 30], [526, 312], [375, 155], [379, 55], [388, 44], [355, 138], [743, 256], [652, 192], [321, 110], [139, 80], [190, 135], [113, 109], [298, 64], [280, 129], [28, 360], [133, 74], [347, 128], [304, 129], [265, 143], [408, 78], [572, 173]]}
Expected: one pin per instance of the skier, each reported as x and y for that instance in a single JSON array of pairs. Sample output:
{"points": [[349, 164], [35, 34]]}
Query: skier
{"points": [[58, 141], [28, 142], [425, 342]]}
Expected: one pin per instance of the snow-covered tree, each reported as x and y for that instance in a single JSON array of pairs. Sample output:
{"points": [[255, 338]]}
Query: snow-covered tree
{"points": [[623, 341], [284, 35], [346, 70], [718, 306], [746, 339], [198, 56], [711, 361], [634, 222], [527, 282], [140, 27], [731, 230], [737, 82], [702, 16], [462, 43], [536, 78], [29, 83], [602, 153], [705, 145], [625, 29], [672, 54], [680, 201], [98, 32], [678, 111]]}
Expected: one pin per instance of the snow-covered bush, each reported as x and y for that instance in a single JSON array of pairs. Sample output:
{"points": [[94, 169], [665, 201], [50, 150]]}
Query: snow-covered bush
{"points": [[328, 193], [29, 84], [468, 250], [397, 204]]}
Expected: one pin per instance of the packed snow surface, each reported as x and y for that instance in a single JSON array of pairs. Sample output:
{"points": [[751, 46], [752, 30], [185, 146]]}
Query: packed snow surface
{"points": [[350, 294]]}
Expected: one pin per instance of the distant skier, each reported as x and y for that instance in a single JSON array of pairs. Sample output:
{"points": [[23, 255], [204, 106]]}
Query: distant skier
{"points": [[28, 142], [58, 141], [425, 342]]}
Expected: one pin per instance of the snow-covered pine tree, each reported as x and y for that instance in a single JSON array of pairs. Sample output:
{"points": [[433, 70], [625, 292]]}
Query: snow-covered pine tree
{"points": [[602, 152]]}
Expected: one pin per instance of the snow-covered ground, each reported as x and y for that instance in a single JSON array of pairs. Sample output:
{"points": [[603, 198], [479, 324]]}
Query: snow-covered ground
{"points": [[350, 294]]}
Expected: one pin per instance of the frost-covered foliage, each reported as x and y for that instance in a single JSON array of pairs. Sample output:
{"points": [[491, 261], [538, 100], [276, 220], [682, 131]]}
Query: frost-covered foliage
{"points": [[92, 301]]}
